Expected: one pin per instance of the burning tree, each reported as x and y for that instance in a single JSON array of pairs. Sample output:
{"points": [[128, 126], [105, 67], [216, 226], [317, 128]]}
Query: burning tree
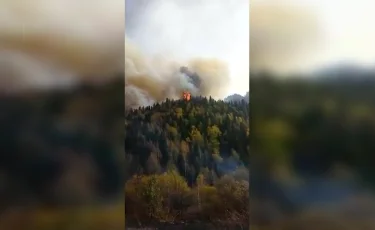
{"points": [[186, 95]]}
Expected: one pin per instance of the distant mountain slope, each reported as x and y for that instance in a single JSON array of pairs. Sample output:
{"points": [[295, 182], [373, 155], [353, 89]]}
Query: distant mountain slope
{"points": [[238, 97], [344, 71], [247, 97]]}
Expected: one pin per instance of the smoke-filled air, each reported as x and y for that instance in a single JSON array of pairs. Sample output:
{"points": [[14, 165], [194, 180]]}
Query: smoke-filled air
{"points": [[54, 43], [176, 46], [302, 35], [283, 36]]}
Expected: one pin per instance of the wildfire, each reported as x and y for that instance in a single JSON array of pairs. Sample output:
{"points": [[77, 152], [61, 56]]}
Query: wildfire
{"points": [[186, 95]]}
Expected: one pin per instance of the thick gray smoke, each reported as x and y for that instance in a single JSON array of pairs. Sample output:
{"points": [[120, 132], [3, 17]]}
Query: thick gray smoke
{"points": [[193, 77], [54, 43], [210, 38]]}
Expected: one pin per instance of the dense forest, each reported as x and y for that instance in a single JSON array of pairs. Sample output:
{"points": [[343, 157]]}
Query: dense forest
{"points": [[188, 160], [188, 136]]}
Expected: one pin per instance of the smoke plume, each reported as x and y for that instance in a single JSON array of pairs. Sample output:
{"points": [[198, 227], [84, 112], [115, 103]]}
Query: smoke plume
{"points": [[283, 35], [54, 43], [209, 39]]}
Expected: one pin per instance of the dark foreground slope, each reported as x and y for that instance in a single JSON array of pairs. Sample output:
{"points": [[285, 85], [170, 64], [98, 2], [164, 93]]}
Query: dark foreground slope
{"points": [[317, 139], [61, 146], [188, 161]]}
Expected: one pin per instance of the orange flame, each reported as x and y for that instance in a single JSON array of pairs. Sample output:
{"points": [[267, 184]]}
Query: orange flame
{"points": [[186, 95]]}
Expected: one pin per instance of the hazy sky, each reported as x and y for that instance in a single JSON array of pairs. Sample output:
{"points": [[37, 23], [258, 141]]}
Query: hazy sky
{"points": [[349, 28], [343, 31]]}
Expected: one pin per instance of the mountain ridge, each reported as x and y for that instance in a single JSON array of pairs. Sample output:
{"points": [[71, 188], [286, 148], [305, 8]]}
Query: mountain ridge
{"points": [[238, 97]]}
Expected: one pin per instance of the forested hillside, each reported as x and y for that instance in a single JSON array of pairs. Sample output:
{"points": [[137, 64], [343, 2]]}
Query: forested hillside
{"points": [[314, 124], [177, 148], [202, 134]]}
